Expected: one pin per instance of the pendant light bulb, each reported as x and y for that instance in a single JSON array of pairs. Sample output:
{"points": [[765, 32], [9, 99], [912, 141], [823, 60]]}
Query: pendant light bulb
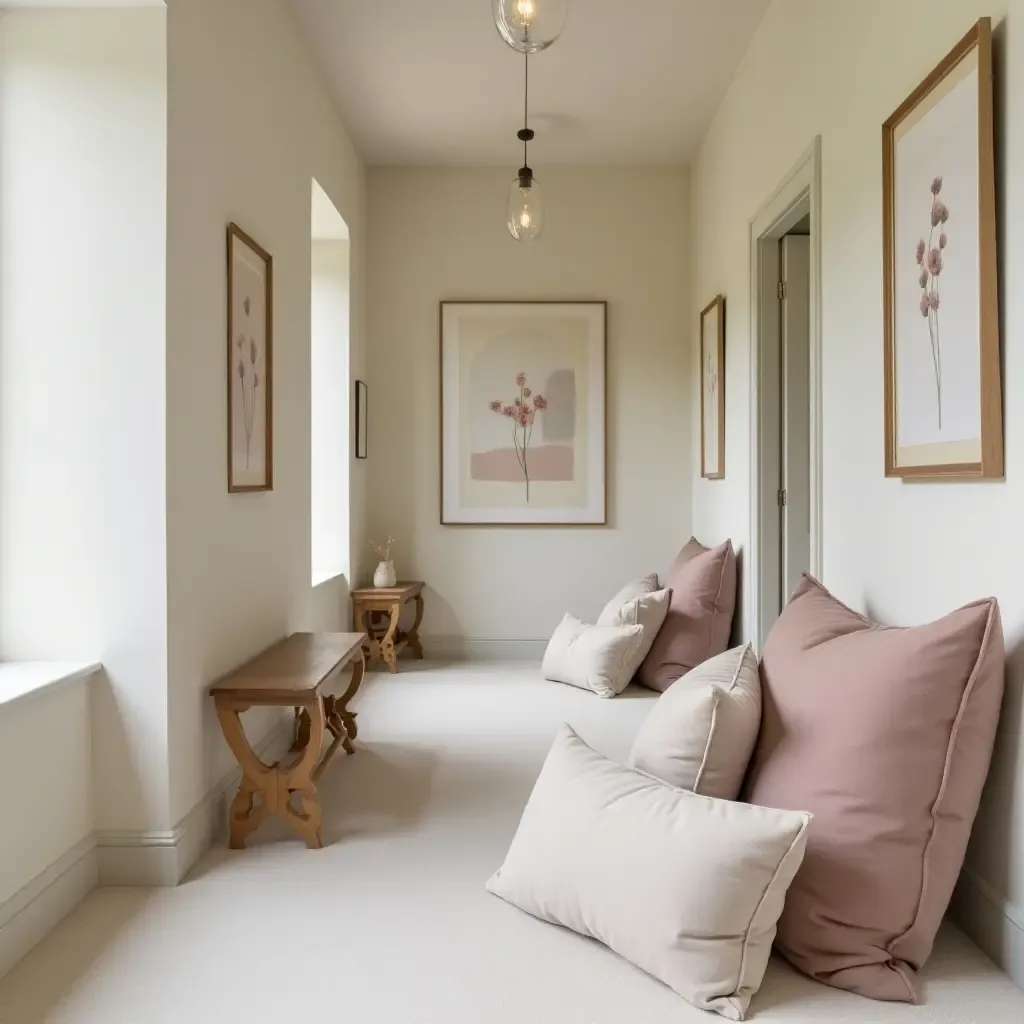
{"points": [[525, 207], [530, 26]]}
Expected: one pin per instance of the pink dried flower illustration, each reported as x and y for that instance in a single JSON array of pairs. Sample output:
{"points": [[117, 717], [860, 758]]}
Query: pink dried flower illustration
{"points": [[523, 417], [248, 388], [930, 258]]}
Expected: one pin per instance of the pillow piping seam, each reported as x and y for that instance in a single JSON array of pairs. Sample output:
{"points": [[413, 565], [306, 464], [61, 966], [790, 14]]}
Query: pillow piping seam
{"points": [[943, 784], [764, 895], [714, 607], [716, 693]]}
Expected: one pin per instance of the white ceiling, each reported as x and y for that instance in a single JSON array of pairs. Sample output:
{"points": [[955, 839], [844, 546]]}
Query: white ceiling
{"points": [[431, 82]]}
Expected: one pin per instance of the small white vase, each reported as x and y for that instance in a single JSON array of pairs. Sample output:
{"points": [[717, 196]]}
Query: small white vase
{"points": [[384, 576]]}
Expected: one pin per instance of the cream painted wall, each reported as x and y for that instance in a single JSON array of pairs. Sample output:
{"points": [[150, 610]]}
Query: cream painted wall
{"points": [[250, 123], [83, 157], [615, 234], [906, 553]]}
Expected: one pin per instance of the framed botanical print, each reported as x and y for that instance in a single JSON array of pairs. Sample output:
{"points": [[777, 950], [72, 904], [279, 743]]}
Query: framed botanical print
{"points": [[523, 413], [943, 392], [712, 390], [250, 364]]}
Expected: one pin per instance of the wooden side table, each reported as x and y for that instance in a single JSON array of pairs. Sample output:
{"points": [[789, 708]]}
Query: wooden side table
{"points": [[376, 611], [292, 673]]}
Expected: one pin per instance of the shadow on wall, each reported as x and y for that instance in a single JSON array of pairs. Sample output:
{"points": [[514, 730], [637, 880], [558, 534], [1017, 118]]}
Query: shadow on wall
{"points": [[996, 816], [117, 796]]}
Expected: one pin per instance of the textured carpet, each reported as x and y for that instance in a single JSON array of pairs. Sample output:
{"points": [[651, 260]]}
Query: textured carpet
{"points": [[390, 924]]}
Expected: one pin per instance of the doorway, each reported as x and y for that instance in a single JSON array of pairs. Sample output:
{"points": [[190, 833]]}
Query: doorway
{"points": [[785, 395]]}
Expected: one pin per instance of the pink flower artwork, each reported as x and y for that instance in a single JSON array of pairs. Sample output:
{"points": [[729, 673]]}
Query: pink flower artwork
{"points": [[249, 384], [930, 258], [523, 411]]}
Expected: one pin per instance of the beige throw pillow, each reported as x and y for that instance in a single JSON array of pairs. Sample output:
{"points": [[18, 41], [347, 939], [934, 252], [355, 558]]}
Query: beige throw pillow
{"points": [[685, 887], [701, 733], [598, 658], [635, 605], [631, 591]]}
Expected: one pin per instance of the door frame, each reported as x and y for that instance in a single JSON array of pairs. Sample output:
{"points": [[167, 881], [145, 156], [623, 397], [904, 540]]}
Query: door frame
{"points": [[799, 193]]}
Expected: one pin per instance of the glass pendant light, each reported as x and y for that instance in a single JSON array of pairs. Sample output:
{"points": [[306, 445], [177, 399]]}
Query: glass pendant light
{"points": [[525, 207], [525, 200], [530, 26]]}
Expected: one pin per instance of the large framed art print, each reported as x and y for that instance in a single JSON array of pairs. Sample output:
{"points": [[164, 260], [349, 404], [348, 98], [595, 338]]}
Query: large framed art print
{"points": [[523, 413]]}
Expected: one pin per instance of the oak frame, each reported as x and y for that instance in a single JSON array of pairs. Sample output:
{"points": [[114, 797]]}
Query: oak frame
{"points": [[234, 232], [991, 465], [717, 302], [440, 384]]}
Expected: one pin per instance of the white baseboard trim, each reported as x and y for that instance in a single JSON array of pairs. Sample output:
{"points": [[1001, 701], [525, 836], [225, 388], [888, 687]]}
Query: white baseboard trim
{"points": [[156, 858], [992, 921], [463, 648], [32, 912]]}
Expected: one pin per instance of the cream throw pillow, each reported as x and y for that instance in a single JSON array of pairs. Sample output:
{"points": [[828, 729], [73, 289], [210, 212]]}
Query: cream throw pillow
{"points": [[631, 591], [687, 888], [598, 658], [639, 604], [701, 733]]}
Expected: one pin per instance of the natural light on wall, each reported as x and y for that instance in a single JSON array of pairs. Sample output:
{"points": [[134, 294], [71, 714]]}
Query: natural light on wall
{"points": [[330, 391]]}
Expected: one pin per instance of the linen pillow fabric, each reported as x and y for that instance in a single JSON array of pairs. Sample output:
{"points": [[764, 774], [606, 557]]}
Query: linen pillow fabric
{"points": [[699, 620], [631, 591], [687, 888], [644, 608], [702, 730], [598, 658], [886, 736]]}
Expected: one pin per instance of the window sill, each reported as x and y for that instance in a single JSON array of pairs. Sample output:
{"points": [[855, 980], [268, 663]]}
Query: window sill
{"points": [[23, 679], [323, 576]]}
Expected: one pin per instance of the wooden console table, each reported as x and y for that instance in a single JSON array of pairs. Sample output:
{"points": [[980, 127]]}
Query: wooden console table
{"points": [[376, 610], [292, 673]]}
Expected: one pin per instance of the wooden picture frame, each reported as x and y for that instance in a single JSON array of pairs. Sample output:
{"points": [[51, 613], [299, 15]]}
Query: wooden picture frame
{"points": [[940, 273], [250, 376], [362, 418], [712, 389], [523, 413]]}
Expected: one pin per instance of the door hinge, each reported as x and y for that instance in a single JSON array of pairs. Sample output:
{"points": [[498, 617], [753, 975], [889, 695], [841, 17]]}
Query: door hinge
{"points": [[782, 498], [782, 289]]}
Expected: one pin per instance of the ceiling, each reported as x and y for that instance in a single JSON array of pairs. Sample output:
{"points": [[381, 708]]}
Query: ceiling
{"points": [[430, 82]]}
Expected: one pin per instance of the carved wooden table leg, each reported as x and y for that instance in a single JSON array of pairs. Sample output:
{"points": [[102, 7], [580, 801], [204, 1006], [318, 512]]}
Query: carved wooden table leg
{"points": [[413, 636], [274, 785], [363, 622], [348, 718], [388, 648]]}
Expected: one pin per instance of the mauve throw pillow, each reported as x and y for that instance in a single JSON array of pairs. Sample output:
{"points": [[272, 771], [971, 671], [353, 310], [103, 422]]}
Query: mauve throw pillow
{"points": [[699, 620], [885, 736]]}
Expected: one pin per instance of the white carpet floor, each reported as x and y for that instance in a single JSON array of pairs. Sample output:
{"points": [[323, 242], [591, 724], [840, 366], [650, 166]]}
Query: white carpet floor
{"points": [[390, 924]]}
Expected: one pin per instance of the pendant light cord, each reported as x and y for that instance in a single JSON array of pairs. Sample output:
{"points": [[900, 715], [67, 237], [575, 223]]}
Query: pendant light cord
{"points": [[526, 110]]}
